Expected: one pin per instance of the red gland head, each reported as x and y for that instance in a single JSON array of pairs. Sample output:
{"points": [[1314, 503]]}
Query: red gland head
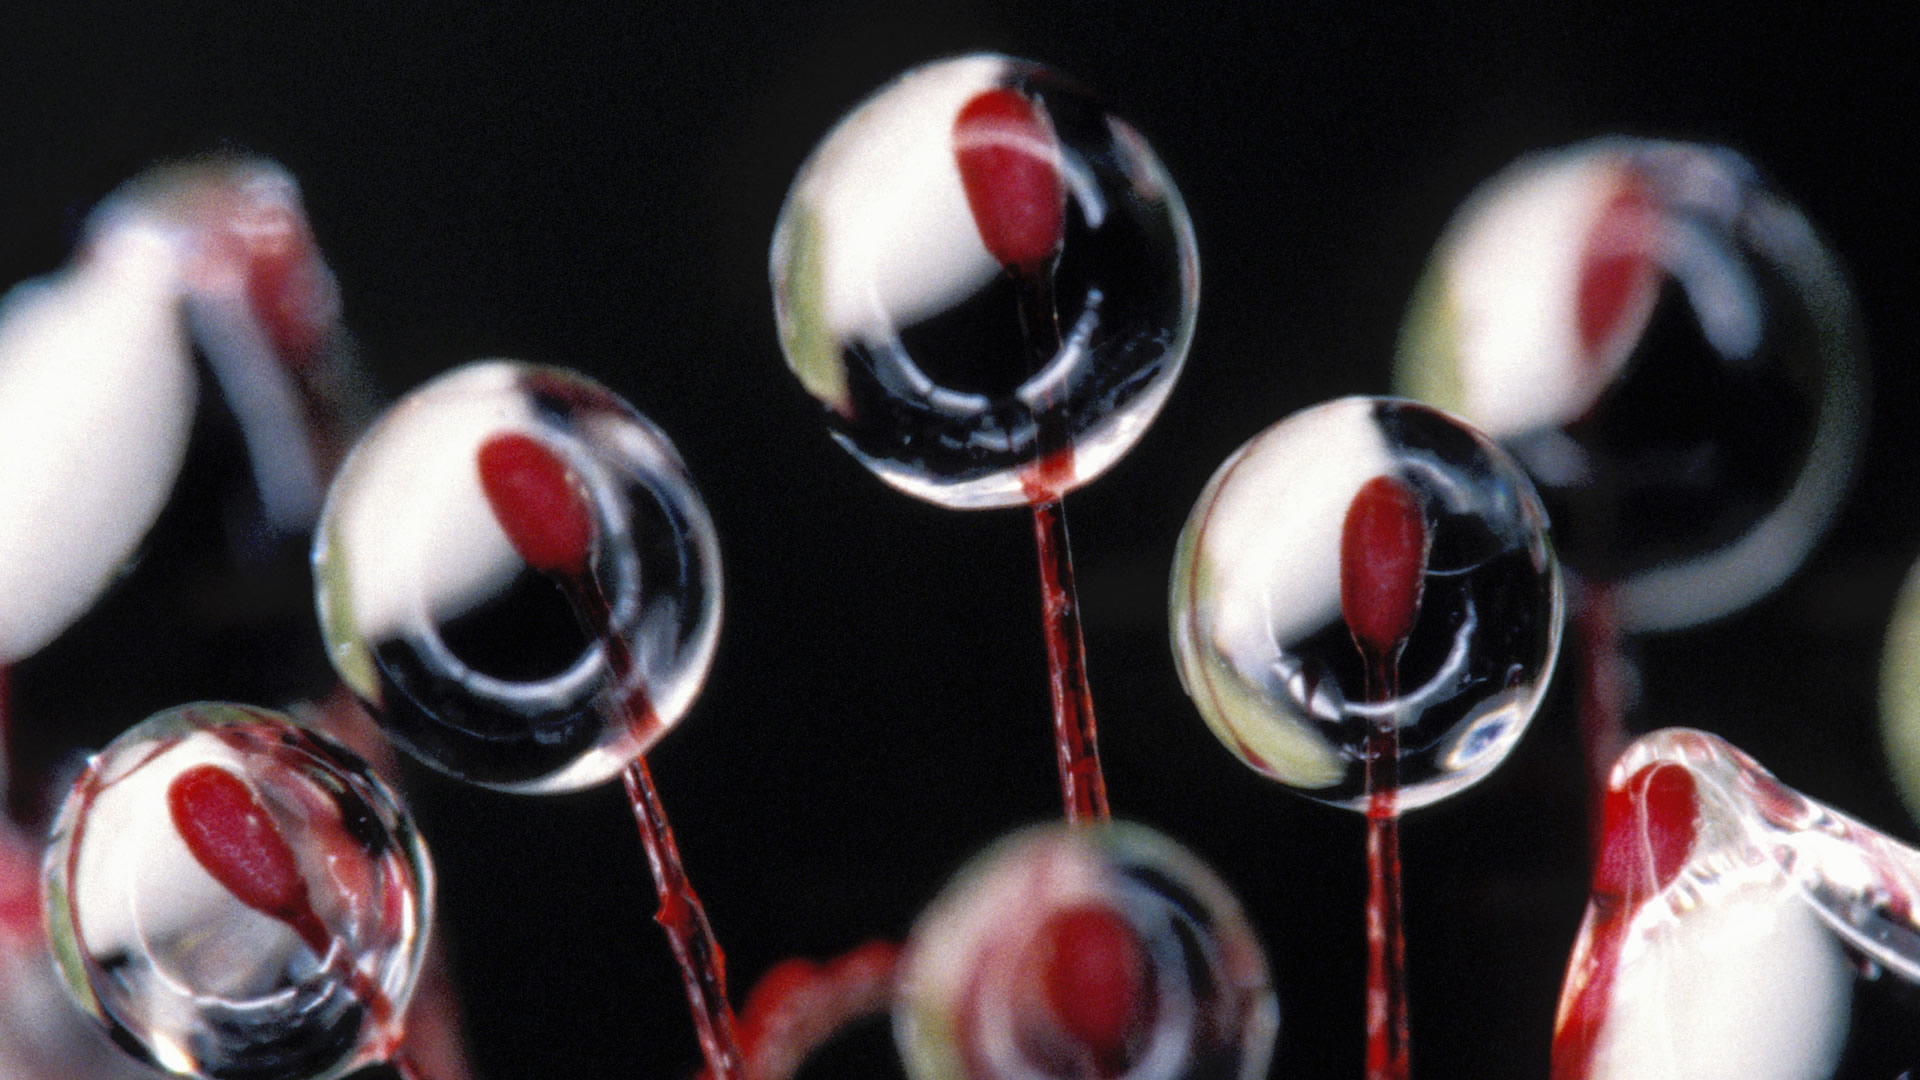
{"points": [[254, 236], [235, 839], [1009, 165], [292, 295], [1618, 271], [1383, 564], [539, 503], [1648, 828], [1096, 978]]}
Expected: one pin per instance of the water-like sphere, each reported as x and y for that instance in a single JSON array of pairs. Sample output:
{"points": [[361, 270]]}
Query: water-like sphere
{"points": [[236, 897], [987, 280], [1670, 350], [1367, 561], [1734, 928], [99, 388], [1085, 951], [478, 661]]}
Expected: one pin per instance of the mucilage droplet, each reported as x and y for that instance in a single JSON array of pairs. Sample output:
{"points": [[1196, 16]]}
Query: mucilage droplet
{"points": [[441, 564], [1367, 541], [234, 896], [1084, 951], [1733, 927], [979, 268], [1670, 350], [99, 386]]}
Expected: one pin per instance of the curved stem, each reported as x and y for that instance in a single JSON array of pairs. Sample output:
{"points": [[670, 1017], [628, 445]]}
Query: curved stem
{"points": [[800, 1005]]}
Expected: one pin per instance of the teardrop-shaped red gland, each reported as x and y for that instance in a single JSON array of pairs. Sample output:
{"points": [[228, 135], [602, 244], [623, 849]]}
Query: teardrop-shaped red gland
{"points": [[1097, 980], [798, 1005], [539, 503], [1009, 165], [1618, 271], [1383, 564], [1649, 826], [235, 839]]}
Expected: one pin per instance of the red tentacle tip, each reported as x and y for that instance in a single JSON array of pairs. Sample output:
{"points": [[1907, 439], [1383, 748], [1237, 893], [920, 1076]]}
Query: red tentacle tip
{"points": [[1097, 980], [1649, 829], [1383, 564], [539, 503], [255, 237], [289, 287], [1008, 159], [232, 836], [1618, 270]]}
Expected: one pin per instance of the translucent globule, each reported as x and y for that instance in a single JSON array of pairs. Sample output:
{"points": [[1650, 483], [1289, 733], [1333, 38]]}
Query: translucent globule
{"points": [[1272, 630], [1066, 952], [1671, 351], [234, 896], [99, 385], [476, 661], [1736, 929], [987, 280]]}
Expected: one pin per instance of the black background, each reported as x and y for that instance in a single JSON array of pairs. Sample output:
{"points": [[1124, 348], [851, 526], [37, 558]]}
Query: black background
{"points": [[596, 186]]}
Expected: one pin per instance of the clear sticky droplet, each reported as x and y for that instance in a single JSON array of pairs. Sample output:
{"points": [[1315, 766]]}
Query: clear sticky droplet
{"points": [[1281, 581], [1734, 925], [1670, 350], [235, 896], [476, 660], [979, 267], [1084, 951]]}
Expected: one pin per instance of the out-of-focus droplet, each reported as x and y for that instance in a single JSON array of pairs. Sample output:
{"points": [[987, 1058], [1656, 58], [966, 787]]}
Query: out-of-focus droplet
{"points": [[1670, 350], [1900, 693], [1731, 926], [1085, 951], [99, 387]]}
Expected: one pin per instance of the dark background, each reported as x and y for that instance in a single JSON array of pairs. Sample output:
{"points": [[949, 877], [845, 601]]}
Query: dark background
{"points": [[596, 186]]}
